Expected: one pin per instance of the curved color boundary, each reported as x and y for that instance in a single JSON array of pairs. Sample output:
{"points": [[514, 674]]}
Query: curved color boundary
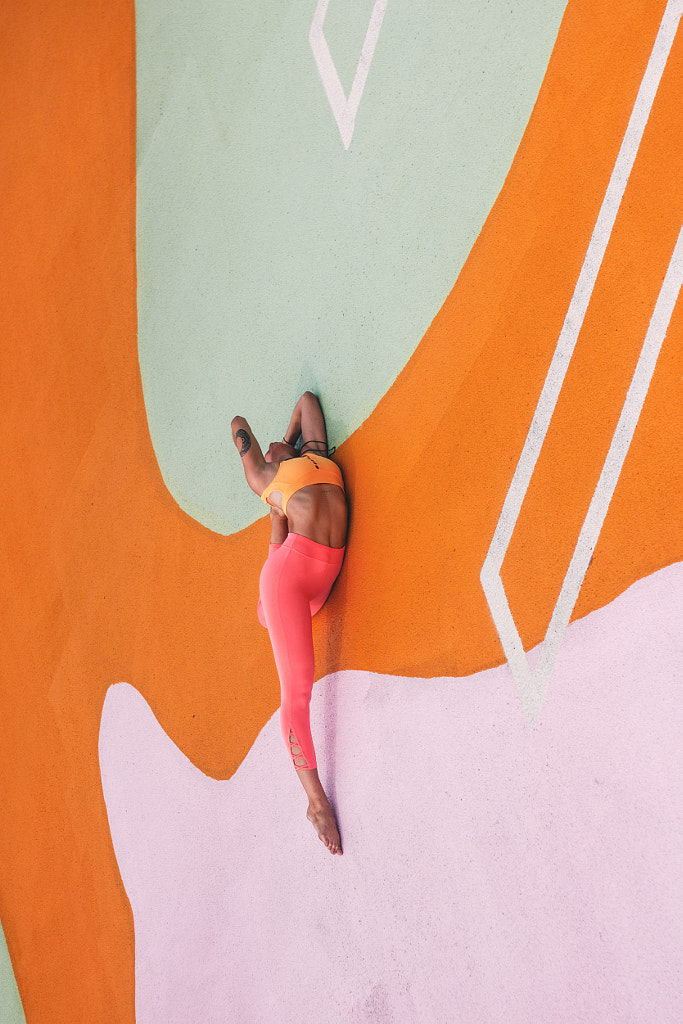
{"points": [[529, 859], [11, 1011], [111, 581]]}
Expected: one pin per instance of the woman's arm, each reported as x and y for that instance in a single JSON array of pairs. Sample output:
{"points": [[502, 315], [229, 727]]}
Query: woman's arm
{"points": [[279, 526], [308, 422], [256, 469]]}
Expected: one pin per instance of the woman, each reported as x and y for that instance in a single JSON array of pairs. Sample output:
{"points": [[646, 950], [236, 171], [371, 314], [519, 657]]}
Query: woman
{"points": [[305, 491]]}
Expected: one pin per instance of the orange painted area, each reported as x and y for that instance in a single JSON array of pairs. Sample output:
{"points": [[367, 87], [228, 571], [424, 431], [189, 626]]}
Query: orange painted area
{"points": [[111, 581], [454, 423]]}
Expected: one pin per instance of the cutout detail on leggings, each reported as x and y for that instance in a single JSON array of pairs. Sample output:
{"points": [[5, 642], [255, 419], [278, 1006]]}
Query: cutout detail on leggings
{"points": [[296, 751]]}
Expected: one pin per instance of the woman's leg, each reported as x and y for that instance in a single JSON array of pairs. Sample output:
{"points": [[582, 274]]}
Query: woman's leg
{"points": [[320, 812], [279, 528], [285, 607], [261, 615], [292, 584]]}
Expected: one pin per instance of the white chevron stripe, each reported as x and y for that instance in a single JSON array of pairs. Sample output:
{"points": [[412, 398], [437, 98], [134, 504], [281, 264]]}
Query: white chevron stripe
{"points": [[533, 684], [344, 109]]}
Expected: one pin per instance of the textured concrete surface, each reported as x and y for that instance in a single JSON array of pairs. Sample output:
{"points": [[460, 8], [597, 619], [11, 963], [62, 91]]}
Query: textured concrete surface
{"points": [[108, 579], [491, 873], [11, 1011], [271, 259]]}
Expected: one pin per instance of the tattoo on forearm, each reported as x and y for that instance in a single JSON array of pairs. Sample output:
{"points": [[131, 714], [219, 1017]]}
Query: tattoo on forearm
{"points": [[245, 439]]}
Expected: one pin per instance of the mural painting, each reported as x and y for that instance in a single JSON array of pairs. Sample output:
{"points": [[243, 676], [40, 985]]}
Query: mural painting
{"points": [[461, 230]]}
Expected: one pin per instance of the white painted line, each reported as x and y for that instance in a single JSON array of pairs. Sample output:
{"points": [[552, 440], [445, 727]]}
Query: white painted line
{"points": [[532, 685], [621, 442], [344, 109]]}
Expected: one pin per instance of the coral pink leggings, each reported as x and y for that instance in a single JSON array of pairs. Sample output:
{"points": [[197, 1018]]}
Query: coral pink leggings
{"points": [[295, 582]]}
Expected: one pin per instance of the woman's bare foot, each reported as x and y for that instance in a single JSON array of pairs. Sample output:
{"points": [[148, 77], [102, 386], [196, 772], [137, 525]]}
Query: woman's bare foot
{"points": [[319, 812], [322, 818]]}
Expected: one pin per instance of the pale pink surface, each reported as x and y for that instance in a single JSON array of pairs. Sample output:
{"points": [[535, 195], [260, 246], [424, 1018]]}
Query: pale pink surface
{"points": [[491, 873]]}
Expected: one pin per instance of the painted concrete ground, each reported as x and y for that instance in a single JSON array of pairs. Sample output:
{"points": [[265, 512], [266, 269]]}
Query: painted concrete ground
{"points": [[491, 873], [11, 1010], [268, 253], [570, 280]]}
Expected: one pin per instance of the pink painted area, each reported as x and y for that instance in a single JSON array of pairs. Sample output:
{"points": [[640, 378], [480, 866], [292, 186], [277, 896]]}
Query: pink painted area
{"points": [[491, 873]]}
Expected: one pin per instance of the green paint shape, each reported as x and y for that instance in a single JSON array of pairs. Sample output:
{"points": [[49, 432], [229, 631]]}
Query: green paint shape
{"points": [[271, 259], [11, 1010]]}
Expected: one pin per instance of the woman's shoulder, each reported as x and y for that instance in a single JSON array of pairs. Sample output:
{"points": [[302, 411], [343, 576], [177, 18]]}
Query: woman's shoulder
{"points": [[269, 473]]}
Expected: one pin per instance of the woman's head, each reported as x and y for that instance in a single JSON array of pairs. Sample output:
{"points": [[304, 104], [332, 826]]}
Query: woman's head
{"points": [[280, 451]]}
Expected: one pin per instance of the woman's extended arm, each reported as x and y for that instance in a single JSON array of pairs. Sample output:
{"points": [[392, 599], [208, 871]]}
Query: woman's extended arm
{"points": [[256, 469], [308, 422]]}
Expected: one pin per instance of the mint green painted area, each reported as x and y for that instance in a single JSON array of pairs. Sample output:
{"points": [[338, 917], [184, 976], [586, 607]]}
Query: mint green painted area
{"points": [[11, 1010], [272, 260]]}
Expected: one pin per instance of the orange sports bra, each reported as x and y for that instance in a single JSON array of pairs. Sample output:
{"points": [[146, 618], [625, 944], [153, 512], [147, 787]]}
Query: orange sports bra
{"points": [[302, 471]]}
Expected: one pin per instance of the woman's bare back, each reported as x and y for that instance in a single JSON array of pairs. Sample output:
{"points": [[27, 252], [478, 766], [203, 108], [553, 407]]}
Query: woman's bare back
{"points": [[318, 512]]}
